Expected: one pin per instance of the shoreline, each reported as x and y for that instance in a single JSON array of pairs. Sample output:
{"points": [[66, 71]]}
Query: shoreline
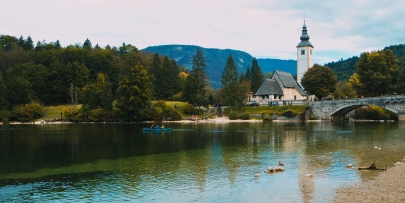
{"points": [[387, 186], [223, 119]]}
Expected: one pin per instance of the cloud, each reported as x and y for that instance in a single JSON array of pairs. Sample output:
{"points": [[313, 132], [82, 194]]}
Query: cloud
{"points": [[259, 27]]}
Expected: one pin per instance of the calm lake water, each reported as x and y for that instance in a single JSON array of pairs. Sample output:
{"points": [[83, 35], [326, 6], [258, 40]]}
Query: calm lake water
{"points": [[196, 162]]}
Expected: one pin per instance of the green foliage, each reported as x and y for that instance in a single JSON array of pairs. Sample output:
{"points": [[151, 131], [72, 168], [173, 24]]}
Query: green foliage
{"points": [[191, 110], [28, 112], [319, 80], [3, 95], [374, 113], [76, 115], [378, 73], [267, 119], [194, 91], [234, 116], [344, 69], [289, 114], [135, 93], [344, 88], [96, 96], [245, 116], [257, 76], [312, 117], [162, 111], [5, 115], [230, 81]]}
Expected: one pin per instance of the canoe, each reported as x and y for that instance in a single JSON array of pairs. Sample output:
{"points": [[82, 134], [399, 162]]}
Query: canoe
{"points": [[157, 130]]}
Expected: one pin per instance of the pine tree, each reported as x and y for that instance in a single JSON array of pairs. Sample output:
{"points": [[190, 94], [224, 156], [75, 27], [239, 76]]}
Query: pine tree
{"points": [[257, 76], [57, 44], [29, 44], [155, 73], [230, 81], [196, 81], [87, 44]]}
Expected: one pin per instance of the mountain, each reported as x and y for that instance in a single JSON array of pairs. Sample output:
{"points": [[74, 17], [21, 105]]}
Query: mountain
{"points": [[216, 60], [270, 65]]}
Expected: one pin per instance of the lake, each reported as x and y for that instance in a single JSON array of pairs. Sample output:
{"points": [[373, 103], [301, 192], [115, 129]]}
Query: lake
{"points": [[196, 162]]}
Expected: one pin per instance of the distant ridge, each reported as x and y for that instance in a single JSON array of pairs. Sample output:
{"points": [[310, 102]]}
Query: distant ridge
{"points": [[216, 59]]}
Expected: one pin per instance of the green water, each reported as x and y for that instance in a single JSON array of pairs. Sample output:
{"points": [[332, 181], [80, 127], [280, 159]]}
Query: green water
{"points": [[196, 162]]}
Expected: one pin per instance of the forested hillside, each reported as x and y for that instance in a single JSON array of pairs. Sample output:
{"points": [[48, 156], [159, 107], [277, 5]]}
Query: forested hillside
{"points": [[98, 78], [344, 69], [216, 59]]}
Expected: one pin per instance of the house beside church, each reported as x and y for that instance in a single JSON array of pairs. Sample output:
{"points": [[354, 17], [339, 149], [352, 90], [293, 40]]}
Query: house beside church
{"points": [[282, 87]]}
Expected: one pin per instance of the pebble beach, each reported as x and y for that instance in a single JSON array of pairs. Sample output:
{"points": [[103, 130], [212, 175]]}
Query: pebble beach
{"points": [[388, 186]]}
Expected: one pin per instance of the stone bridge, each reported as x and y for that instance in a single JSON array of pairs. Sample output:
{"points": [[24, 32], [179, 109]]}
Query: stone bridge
{"points": [[338, 109]]}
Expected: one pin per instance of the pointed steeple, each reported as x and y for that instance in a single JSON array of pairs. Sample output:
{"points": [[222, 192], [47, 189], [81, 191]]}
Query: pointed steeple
{"points": [[304, 37]]}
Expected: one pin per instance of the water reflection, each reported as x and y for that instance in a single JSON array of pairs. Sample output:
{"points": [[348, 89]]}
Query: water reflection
{"points": [[206, 162]]}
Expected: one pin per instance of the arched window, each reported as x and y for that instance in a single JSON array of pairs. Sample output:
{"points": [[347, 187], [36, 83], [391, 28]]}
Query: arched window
{"points": [[302, 51]]}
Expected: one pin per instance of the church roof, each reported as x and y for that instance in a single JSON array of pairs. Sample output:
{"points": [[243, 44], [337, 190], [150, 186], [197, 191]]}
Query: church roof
{"points": [[285, 79], [270, 87], [304, 37]]}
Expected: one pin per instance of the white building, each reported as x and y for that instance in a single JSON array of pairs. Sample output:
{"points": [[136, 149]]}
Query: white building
{"points": [[305, 57]]}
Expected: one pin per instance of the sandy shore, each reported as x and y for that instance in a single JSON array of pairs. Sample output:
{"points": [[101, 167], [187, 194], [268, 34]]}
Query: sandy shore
{"points": [[388, 186]]}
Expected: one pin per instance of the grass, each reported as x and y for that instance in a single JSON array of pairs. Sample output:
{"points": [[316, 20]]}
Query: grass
{"points": [[177, 104], [53, 112], [268, 109]]}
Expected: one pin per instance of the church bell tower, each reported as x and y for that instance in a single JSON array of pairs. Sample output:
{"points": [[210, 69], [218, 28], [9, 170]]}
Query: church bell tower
{"points": [[305, 58]]}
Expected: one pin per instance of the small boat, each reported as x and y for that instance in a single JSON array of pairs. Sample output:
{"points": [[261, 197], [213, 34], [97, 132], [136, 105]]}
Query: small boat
{"points": [[157, 129]]}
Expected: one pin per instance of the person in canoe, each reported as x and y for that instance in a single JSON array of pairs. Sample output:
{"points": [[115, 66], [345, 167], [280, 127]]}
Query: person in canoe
{"points": [[152, 126], [162, 126]]}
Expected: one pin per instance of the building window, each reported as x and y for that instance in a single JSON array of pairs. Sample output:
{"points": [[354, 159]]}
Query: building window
{"points": [[302, 51], [295, 97], [267, 96], [310, 51], [275, 96]]}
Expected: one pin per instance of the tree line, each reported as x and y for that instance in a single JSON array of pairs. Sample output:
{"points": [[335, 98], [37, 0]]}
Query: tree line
{"points": [[112, 83], [377, 73]]}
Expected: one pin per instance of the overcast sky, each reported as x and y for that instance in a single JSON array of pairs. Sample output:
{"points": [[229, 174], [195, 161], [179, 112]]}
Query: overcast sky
{"points": [[262, 28]]}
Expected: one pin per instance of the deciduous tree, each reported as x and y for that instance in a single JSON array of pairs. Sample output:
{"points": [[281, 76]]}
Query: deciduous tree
{"points": [[378, 73], [319, 81]]}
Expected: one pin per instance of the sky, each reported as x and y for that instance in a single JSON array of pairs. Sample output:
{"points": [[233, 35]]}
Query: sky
{"points": [[262, 28]]}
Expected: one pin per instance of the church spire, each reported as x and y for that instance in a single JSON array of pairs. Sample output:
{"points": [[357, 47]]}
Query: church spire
{"points": [[304, 37]]}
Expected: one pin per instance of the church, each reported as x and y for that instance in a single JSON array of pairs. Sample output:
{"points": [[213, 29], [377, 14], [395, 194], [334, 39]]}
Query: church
{"points": [[282, 87]]}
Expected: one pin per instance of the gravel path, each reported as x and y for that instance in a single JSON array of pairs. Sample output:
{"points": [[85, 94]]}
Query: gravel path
{"points": [[388, 186]]}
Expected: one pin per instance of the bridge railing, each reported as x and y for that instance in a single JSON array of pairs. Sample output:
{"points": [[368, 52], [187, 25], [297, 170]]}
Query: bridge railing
{"points": [[389, 97]]}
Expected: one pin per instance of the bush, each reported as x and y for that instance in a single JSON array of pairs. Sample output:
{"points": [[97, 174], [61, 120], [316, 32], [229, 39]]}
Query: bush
{"points": [[189, 109], [245, 116], [289, 114], [96, 115], [374, 113], [28, 112], [234, 116], [5, 115], [312, 117], [75, 115], [161, 111], [267, 119]]}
